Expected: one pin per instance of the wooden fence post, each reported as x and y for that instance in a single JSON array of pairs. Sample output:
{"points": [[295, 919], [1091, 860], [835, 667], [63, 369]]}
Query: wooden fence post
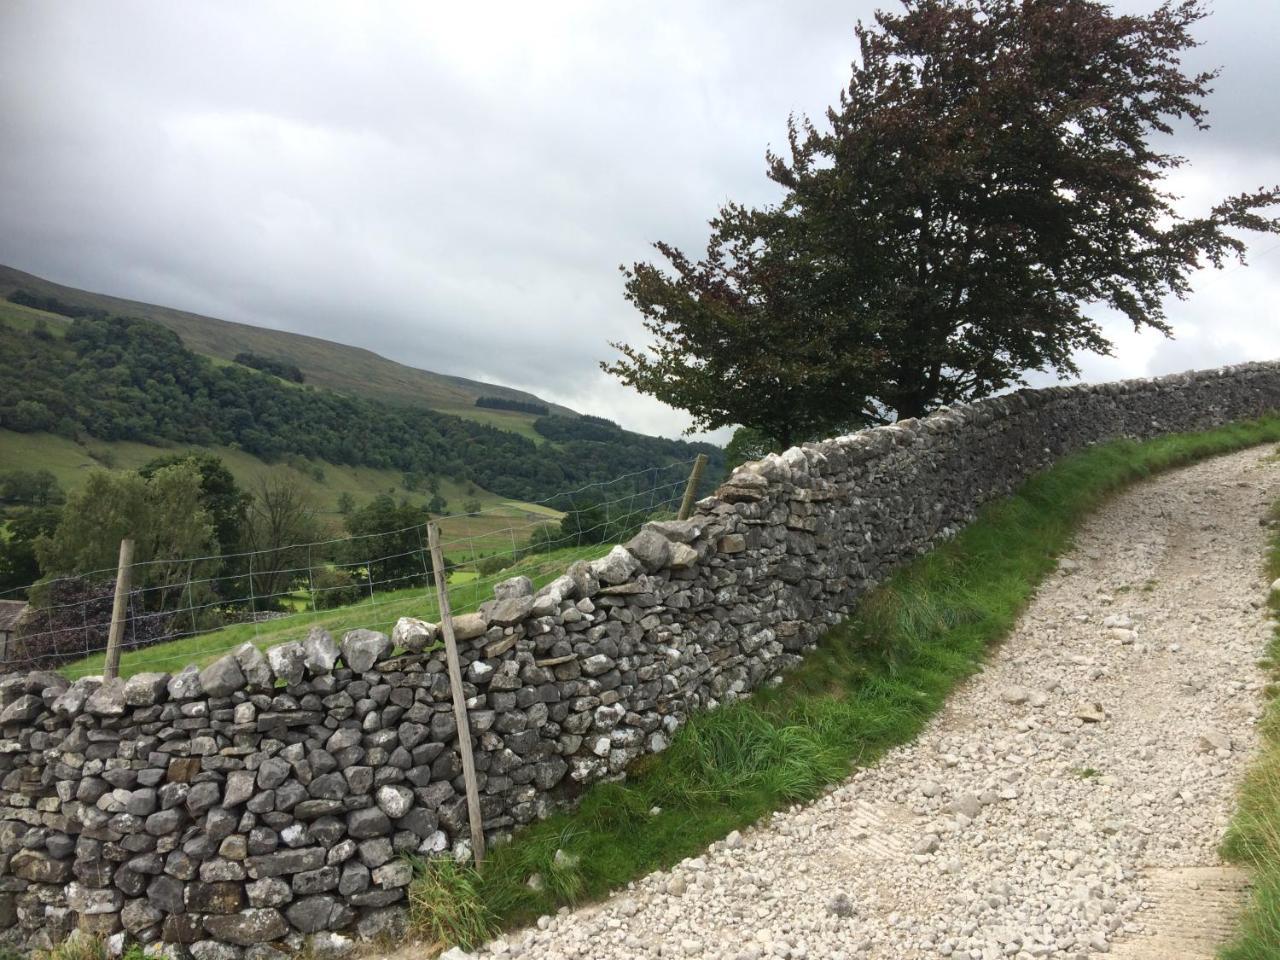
{"points": [[691, 489], [119, 610], [459, 698]]}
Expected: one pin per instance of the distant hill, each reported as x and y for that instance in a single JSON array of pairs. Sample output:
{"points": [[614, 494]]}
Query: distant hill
{"points": [[333, 366], [77, 380]]}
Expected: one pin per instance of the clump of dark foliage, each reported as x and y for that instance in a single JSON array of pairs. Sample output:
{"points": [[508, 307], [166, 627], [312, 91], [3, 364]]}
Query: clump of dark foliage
{"points": [[519, 406], [277, 368]]}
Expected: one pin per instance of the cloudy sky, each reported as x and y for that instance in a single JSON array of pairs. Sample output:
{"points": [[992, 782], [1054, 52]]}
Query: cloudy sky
{"points": [[455, 185]]}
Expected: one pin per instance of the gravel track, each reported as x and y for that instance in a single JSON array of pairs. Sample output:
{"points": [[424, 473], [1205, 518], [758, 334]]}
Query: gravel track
{"points": [[1067, 802]]}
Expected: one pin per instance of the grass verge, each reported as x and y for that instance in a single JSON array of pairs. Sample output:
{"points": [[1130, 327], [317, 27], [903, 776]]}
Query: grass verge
{"points": [[1254, 835], [871, 684]]}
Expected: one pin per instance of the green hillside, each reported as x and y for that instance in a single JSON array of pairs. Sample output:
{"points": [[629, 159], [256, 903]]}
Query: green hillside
{"points": [[71, 461], [333, 366], [99, 378]]}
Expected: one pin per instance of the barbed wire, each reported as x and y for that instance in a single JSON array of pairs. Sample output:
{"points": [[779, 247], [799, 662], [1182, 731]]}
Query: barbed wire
{"points": [[203, 614]]}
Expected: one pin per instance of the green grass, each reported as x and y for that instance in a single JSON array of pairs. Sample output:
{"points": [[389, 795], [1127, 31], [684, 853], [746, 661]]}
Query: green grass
{"points": [[70, 462], [1254, 835], [871, 684], [79, 947], [19, 317], [380, 612], [509, 420]]}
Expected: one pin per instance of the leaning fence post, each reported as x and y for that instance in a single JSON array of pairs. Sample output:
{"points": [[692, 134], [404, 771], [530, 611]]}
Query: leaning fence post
{"points": [[119, 610], [459, 698], [691, 490]]}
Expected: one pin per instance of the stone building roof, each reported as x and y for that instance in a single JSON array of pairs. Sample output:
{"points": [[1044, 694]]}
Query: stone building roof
{"points": [[11, 612]]}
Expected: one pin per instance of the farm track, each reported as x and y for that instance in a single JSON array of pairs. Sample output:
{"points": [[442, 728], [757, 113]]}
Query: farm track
{"points": [[1067, 802]]}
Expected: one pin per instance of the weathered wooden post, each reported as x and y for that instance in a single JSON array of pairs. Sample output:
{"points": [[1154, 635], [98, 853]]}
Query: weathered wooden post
{"points": [[691, 489], [459, 698], [119, 610]]}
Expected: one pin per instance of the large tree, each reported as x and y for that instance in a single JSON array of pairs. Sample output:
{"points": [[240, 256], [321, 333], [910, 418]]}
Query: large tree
{"points": [[172, 533], [281, 524], [985, 185], [226, 504]]}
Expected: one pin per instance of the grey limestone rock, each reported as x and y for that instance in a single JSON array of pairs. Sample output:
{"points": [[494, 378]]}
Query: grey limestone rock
{"points": [[311, 914], [327, 945], [618, 566], [23, 710], [72, 700], [255, 925], [254, 666], [185, 685], [506, 612], [468, 626], [414, 635], [146, 689], [140, 914], [268, 892], [288, 662], [107, 700], [395, 800], [212, 949], [651, 548], [222, 677], [512, 588], [321, 652], [366, 823], [361, 649]]}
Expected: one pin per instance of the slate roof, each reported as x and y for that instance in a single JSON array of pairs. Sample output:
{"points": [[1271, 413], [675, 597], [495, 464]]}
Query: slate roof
{"points": [[11, 612]]}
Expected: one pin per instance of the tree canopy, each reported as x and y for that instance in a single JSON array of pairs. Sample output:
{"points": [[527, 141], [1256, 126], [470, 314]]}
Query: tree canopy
{"points": [[988, 180], [161, 513]]}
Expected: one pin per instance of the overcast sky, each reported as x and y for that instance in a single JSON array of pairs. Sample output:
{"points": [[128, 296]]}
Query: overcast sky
{"points": [[455, 185]]}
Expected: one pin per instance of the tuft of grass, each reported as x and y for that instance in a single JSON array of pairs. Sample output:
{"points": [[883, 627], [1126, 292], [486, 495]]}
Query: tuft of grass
{"points": [[1253, 838], [1088, 773], [444, 905], [871, 684], [76, 947]]}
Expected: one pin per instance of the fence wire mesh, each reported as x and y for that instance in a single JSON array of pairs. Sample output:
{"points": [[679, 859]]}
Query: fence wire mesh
{"points": [[194, 609]]}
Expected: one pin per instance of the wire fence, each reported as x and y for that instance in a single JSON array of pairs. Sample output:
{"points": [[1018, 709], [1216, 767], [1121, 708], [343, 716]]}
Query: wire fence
{"points": [[194, 609]]}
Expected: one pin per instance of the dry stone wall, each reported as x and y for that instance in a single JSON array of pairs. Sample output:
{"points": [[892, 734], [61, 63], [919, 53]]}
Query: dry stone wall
{"points": [[270, 799]]}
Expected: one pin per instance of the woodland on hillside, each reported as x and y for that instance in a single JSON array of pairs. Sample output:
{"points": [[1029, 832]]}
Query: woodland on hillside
{"points": [[121, 378]]}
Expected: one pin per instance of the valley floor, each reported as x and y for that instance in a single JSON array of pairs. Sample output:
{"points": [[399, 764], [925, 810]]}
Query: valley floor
{"points": [[1067, 802]]}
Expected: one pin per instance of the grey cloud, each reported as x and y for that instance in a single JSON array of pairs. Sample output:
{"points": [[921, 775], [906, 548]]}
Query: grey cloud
{"points": [[455, 185]]}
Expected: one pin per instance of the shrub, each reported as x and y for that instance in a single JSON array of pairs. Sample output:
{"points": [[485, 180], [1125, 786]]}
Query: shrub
{"points": [[491, 565], [334, 587]]}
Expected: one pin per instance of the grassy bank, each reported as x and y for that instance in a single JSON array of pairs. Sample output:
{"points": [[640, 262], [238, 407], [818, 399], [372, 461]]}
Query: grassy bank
{"points": [[1254, 836], [871, 684]]}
